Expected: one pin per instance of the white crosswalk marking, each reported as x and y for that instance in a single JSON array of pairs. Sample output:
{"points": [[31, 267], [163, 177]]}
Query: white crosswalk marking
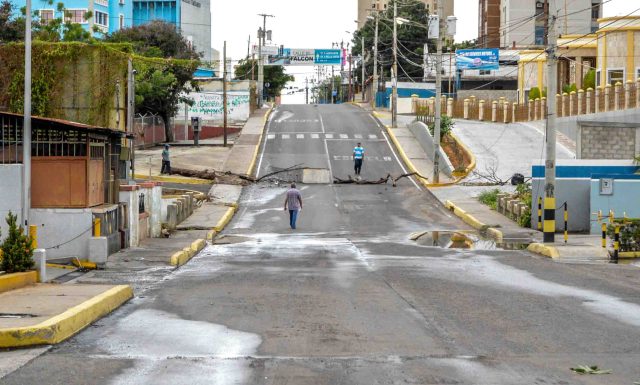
{"points": [[328, 136], [344, 136], [315, 136], [285, 136], [387, 159], [271, 136], [373, 136], [357, 136], [300, 136]]}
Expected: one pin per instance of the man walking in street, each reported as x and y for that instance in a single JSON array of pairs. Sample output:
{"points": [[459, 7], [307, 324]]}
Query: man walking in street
{"points": [[166, 162], [358, 158], [293, 202]]}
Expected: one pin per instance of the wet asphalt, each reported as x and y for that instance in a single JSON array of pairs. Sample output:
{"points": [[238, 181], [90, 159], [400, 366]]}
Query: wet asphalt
{"points": [[347, 298]]}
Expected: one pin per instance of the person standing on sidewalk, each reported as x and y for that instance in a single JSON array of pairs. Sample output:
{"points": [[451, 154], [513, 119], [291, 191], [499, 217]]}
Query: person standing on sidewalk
{"points": [[166, 162], [358, 158], [293, 202]]}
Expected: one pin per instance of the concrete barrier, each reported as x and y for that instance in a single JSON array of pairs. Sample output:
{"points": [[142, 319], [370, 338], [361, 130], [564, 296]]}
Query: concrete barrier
{"points": [[426, 141], [316, 176]]}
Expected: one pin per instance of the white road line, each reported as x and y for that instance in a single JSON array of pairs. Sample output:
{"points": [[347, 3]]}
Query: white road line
{"points": [[264, 144], [344, 136], [398, 160], [300, 136], [357, 136], [315, 136], [326, 148], [328, 136], [271, 136], [373, 136], [286, 136]]}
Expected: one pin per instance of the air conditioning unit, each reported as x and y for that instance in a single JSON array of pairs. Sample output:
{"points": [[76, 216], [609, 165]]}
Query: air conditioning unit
{"points": [[539, 5]]}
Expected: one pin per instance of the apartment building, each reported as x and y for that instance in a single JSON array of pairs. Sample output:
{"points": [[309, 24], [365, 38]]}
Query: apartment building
{"points": [[366, 6], [489, 23], [523, 22]]}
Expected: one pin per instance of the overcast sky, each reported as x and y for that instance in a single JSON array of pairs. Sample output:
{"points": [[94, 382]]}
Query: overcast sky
{"points": [[316, 24]]}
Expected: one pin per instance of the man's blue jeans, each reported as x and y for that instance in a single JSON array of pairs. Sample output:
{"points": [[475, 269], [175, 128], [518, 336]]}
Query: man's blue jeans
{"points": [[293, 215]]}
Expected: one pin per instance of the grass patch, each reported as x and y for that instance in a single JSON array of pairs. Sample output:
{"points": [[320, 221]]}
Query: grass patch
{"points": [[490, 198]]}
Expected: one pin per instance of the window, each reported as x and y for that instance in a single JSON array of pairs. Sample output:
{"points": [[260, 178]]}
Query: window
{"points": [[75, 15], [121, 2], [485, 72], [595, 11], [102, 2], [46, 16], [614, 76], [121, 21], [598, 77], [102, 19]]}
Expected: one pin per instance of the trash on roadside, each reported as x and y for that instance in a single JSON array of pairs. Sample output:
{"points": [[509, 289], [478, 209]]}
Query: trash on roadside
{"points": [[584, 369]]}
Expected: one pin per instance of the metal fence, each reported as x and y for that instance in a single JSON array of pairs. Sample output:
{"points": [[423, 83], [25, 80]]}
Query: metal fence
{"points": [[149, 130]]}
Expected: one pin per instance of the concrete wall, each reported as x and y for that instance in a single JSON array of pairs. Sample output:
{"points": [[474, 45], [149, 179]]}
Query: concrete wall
{"points": [[10, 194], [57, 226], [422, 134], [510, 95], [195, 25], [624, 200], [569, 125], [607, 141]]}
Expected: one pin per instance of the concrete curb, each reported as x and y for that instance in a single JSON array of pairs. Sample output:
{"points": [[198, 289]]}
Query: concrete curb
{"points": [[629, 254], [546, 251], [17, 280], [183, 256], [65, 325], [169, 179], [469, 219], [226, 218], [252, 165]]}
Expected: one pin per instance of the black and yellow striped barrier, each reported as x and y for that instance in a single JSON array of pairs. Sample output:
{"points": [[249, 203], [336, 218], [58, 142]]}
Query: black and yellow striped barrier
{"points": [[604, 235], [566, 223], [616, 244], [539, 213], [549, 227]]}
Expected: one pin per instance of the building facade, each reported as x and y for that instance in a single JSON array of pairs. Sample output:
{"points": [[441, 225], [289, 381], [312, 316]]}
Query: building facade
{"points": [[191, 17], [366, 6], [489, 23], [108, 15], [618, 50], [523, 22]]}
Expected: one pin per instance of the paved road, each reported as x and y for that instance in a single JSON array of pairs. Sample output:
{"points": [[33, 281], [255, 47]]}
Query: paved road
{"points": [[348, 299]]}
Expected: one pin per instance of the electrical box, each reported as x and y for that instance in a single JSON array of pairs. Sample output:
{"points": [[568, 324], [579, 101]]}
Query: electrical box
{"points": [[451, 25], [606, 186], [434, 27]]}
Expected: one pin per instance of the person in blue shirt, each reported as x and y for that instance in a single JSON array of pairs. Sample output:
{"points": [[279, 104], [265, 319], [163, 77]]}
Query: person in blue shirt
{"points": [[358, 158], [166, 161]]}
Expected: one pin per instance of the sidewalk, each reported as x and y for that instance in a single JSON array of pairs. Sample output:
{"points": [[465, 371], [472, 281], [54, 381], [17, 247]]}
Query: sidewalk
{"points": [[503, 150]]}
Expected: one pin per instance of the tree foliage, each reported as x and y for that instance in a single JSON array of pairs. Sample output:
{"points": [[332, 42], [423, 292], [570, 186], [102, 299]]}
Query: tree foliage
{"points": [[17, 248], [589, 80], [411, 40], [161, 84], [11, 28], [275, 76]]}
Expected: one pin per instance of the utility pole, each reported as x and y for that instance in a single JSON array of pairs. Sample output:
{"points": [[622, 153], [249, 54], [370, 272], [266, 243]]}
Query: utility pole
{"points": [[363, 74], [437, 120], [130, 111], [375, 63], [425, 63], [306, 91], [350, 78], [394, 81], [26, 124], [224, 91], [262, 38], [249, 47], [550, 131]]}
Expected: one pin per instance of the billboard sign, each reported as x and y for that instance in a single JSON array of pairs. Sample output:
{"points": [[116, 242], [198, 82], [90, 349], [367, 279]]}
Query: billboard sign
{"points": [[478, 59], [305, 57], [266, 50], [210, 106]]}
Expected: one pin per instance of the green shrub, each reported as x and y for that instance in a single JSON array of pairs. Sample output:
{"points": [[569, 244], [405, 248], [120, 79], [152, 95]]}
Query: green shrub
{"points": [[446, 125], [490, 198], [629, 234], [568, 88], [17, 248], [589, 80], [523, 192], [534, 93]]}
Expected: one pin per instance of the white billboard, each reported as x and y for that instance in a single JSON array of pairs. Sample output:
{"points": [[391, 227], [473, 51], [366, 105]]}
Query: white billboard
{"points": [[209, 105], [266, 50]]}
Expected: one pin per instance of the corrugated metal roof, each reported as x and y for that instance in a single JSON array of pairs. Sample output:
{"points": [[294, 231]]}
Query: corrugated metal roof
{"points": [[61, 122]]}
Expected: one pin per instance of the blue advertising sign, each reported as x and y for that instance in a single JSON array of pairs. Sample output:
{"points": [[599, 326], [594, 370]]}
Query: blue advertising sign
{"points": [[478, 59], [303, 56]]}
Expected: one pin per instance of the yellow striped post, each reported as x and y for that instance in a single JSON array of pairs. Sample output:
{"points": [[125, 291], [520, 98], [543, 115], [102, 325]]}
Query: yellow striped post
{"points": [[604, 235], [611, 216], [97, 228], [616, 244], [549, 227], [566, 223], [539, 213]]}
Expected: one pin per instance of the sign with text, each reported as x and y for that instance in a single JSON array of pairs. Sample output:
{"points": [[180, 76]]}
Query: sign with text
{"points": [[305, 57], [478, 59], [266, 50], [209, 105]]}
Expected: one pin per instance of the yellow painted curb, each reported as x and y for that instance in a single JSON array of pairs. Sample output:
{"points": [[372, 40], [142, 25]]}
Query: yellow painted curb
{"points": [[226, 218], [629, 254], [84, 264], [257, 150], [169, 179], [17, 280], [198, 245], [65, 325], [469, 219], [211, 234], [179, 258], [547, 251], [59, 266]]}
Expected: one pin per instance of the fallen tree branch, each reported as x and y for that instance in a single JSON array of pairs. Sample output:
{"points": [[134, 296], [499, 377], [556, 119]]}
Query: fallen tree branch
{"points": [[206, 174], [337, 180]]}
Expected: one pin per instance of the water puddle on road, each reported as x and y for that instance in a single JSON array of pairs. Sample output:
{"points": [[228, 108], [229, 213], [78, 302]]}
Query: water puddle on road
{"points": [[464, 240]]}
